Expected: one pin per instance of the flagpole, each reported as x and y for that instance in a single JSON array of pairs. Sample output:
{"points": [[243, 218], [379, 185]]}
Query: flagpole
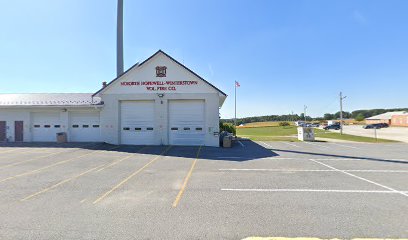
{"points": [[235, 120]]}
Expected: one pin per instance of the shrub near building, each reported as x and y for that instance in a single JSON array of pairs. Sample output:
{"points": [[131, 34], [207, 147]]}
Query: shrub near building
{"points": [[228, 127]]}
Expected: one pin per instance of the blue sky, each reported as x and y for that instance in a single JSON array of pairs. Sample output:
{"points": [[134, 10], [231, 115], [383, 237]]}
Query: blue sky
{"points": [[284, 53]]}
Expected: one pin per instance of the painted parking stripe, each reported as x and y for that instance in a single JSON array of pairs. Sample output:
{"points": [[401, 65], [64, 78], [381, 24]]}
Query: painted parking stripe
{"points": [[361, 178], [398, 159], [50, 166], [186, 179], [305, 190], [336, 159], [45, 156], [317, 145], [310, 170], [94, 169], [338, 144], [291, 144], [242, 145], [354, 159], [103, 196], [61, 183], [314, 238], [119, 161], [10, 150]]}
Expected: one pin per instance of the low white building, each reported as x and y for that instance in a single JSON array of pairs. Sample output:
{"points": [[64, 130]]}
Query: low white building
{"points": [[156, 102]]}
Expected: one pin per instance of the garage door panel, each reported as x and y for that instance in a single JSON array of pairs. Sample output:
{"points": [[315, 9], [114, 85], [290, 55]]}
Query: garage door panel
{"points": [[137, 122], [85, 127], [186, 122], [45, 126]]}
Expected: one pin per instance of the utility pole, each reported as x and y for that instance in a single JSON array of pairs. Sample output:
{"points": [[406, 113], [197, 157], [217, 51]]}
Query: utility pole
{"points": [[235, 117], [304, 112], [341, 112]]}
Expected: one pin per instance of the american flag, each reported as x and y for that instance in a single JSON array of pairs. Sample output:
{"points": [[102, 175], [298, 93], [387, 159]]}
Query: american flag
{"points": [[237, 84]]}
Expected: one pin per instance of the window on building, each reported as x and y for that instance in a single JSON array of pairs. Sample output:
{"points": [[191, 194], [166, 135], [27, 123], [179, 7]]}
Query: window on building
{"points": [[95, 126], [174, 129], [37, 126], [47, 126], [138, 129], [199, 129], [57, 126], [187, 128], [75, 126], [149, 129], [85, 126]]}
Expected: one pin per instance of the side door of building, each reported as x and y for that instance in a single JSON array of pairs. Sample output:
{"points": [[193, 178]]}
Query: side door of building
{"points": [[18, 131], [2, 131]]}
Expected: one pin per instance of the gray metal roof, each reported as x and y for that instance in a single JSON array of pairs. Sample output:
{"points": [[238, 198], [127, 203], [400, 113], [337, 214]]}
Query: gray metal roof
{"points": [[49, 99]]}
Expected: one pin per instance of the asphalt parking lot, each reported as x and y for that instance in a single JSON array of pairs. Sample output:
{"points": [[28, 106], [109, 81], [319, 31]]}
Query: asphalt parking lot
{"points": [[270, 189]]}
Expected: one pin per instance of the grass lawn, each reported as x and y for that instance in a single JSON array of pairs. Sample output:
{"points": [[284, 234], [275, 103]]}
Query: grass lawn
{"points": [[264, 124], [269, 133], [289, 133], [334, 135]]}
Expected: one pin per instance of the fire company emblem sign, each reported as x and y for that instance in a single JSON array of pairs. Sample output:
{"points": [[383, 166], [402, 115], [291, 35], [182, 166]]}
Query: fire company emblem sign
{"points": [[161, 71]]}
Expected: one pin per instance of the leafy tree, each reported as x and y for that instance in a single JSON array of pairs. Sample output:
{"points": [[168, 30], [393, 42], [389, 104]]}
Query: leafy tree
{"points": [[328, 116], [345, 115], [360, 117]]}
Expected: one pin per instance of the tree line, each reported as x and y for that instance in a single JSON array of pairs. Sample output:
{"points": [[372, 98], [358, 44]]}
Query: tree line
{"points": [[358, 115], [269, 118]]}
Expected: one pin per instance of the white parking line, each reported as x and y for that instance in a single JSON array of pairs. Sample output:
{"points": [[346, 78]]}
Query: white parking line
{"points": [[354, 159], [336, 159], [305, 190], [280, 142], [229, 157], [398, 159], [312, 170], [291, 144], [314, 144], [361, 178], [345, 145], [242, 145]]}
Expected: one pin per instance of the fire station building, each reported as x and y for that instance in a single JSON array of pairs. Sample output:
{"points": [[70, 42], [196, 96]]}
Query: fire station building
{"points": [[156, 102]]}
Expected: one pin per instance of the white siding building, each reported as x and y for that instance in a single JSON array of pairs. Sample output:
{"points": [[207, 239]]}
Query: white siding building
{"points": [[156, 102]]}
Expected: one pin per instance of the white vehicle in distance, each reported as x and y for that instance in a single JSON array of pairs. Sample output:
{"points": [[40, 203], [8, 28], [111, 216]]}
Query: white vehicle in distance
{"points": [[299, 123]]}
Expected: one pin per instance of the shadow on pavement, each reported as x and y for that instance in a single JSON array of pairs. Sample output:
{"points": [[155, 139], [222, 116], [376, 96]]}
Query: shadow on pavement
{"points": [[250, 150], [340, 156]]}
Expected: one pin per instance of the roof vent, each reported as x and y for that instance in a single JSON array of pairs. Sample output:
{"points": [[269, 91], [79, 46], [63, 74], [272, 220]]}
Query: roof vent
{"points": [[104, 84]]}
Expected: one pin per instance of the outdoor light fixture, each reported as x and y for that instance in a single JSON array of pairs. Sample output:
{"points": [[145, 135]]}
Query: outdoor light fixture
{"points": [[160, 95]]}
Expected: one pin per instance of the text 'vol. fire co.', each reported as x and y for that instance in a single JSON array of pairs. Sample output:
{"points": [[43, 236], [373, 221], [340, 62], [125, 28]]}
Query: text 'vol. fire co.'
{"points": [[160, 85]]}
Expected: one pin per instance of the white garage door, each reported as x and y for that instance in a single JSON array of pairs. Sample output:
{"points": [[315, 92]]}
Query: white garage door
{"points": [[137, 122], [84, 127], [186, 122], [45, 126]]}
